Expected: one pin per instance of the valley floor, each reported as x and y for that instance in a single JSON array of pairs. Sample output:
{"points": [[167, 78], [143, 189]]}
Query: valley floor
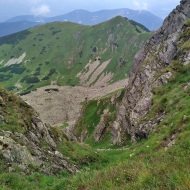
{"points": [[59, 104]]}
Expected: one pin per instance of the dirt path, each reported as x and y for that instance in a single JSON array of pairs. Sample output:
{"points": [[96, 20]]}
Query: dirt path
{"points": [[110, 149], [64, 105]]}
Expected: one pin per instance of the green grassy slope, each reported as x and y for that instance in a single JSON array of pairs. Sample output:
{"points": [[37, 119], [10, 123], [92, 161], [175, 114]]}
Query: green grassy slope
{"points": [[16, 117], [59, 51], [162, 160], [91, 116], [159, 162], [148, 164]]}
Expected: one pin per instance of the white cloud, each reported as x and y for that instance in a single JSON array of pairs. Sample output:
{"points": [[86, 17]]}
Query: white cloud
{"points": [[41, 10], [140, 6]]}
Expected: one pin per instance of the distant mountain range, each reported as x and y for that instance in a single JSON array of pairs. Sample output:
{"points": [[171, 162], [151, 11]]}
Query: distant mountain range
{"points": [[84, 17], [31, 18], [13, 27], [145, 18]]}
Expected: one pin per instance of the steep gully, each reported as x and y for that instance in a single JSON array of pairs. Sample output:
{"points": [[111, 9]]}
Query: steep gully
{"points": [[157, 53]]}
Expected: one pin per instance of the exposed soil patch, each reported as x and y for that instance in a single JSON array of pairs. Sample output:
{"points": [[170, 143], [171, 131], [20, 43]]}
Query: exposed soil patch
{"points": [[88, 70], [16, 60], [98, 71], [103, 79], [92, 71]]}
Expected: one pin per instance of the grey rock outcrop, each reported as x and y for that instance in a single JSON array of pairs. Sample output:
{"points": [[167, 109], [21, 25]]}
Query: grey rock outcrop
{"points": [[34, 150], [2, 119], [26, 143], [43, 132], [158, 53], [15, 153], [1, 101], [101, 128]]}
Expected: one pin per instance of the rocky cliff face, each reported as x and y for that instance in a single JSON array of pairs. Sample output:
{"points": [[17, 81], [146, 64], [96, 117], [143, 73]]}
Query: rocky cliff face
{"points": [[25, 141], [157, 54]]}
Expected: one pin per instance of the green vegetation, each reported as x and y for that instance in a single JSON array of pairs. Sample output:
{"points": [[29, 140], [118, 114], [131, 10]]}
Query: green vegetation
{"points": [[91, 116], [65, 124], [80, 154], [153, 163], [16, 117], [159, 162], [48, 59], [17, 114]]}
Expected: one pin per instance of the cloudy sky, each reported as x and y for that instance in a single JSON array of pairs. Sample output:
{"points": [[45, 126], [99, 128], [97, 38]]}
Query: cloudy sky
{"points": [[11, 8]]}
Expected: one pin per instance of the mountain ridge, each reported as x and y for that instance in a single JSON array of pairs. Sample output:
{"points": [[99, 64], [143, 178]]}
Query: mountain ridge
{"points": [[95, 17], [70, 54], [146, 18], [31, 18], [14, 27]]}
